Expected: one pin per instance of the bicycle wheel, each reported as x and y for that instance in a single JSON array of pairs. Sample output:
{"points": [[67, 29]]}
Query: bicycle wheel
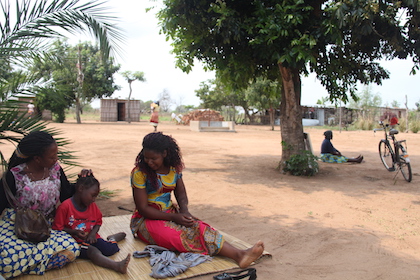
{"points": [[404, 164], [387, 155]]}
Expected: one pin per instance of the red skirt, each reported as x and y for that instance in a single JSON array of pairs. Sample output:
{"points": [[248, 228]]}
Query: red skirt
{"points": [[155, 117], [199, 238]]}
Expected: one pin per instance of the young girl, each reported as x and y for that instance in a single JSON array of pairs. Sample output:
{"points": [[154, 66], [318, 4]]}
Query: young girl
{"points": [[158, 221], [81, 217]]}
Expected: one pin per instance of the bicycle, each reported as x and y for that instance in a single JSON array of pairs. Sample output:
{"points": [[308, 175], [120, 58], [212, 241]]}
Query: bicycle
{"points": [[395, 157]]}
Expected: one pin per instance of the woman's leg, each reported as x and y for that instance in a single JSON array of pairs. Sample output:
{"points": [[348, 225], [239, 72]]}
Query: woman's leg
{"points": [[244, 258], [97, 258], [359, 159]]}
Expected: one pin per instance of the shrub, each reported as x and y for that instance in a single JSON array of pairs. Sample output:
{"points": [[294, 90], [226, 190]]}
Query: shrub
{"points": [[364, 123], [415, 126], [302, 164]]}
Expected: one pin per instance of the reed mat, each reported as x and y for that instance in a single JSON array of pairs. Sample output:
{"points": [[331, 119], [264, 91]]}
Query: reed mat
{"points": [[138, 269]]}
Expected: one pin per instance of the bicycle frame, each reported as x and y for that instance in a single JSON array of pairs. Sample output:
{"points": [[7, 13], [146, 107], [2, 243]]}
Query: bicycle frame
{"points": [[388, 136], [397, 152]]}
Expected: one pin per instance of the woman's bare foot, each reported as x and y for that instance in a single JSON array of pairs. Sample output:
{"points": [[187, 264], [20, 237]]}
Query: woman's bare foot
{"points": [[252, 254], [122, 265], [117, 237]]}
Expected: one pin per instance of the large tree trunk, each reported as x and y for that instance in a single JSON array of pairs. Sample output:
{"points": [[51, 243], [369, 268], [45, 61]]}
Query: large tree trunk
{"points": [[290, 114]]}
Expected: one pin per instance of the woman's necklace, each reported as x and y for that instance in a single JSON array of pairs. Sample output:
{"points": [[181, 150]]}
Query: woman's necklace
{"points": [[37, 176]]}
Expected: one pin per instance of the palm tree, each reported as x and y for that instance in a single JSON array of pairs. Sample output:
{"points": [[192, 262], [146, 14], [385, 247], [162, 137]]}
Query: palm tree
{"points": [[131, 77], [26, 29]]}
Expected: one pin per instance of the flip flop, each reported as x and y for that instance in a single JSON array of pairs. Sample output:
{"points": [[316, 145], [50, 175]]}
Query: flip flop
{"points": [[251, 272]]}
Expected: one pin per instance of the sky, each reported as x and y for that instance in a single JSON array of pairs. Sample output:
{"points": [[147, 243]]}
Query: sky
{"points": [[147, 51]]}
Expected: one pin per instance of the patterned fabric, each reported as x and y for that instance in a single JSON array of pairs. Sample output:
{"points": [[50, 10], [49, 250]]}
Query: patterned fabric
{"points": [[19, 256], [160, 198], [200, 238], [60, 259], [333, 158], [166, 263], [40, 195]]}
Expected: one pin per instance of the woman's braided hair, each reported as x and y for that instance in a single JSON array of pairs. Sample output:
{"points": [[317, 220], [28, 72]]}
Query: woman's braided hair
{"points": [[159, 143], [33, 144]]}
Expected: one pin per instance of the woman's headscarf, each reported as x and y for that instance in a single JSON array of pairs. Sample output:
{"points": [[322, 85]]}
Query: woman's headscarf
{"points": [[328, 134]]}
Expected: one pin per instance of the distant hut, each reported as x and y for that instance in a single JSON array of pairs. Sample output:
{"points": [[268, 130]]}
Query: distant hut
{"points": [[113, 110]]}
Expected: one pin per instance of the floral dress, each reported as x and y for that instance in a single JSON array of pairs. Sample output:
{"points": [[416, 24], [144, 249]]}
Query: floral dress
{"points": [[23, 257]]}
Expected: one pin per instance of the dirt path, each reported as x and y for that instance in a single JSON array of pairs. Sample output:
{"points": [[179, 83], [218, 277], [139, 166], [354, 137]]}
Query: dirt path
{"points": [[351, 221]]}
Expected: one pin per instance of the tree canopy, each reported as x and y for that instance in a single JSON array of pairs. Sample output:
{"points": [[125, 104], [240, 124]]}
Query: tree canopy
{"points": [[340, 41], [58, 70], [26, 27], [130, 77]]}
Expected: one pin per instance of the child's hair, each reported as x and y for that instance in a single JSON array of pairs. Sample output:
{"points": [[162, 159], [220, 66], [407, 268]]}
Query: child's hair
{"points": [[159, 143], [87, 182]]}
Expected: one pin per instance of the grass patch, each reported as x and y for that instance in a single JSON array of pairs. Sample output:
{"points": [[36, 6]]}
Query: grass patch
{"points": [[106, 194]]}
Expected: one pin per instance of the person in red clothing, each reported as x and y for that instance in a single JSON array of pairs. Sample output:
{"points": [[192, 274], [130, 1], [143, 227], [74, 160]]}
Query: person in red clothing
{"points": [[81, 217], [393, 121]]}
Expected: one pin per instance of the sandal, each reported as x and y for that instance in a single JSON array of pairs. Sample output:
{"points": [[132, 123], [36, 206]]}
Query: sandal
{"points": [[251, 272]]}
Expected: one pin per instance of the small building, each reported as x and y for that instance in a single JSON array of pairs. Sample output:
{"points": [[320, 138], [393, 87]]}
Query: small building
{"points": [[113, 110]]}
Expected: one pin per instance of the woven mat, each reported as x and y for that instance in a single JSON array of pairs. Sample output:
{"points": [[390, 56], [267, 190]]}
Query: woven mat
{"points": [[138, 269]]}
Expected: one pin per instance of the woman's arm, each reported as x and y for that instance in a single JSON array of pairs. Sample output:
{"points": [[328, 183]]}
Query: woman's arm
{"points": [[67, 189], [142, 205], [181, 197], [10, 179]]}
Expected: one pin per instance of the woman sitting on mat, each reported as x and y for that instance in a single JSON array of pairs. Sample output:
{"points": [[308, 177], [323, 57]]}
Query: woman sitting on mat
{"points": [[158, 221], [331, 154], [36, 179]]}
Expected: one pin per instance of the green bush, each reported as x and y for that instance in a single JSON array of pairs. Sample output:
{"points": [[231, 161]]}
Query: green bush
{"points": [[415, 126], [402, 125], [302, 164], [364, 123]]}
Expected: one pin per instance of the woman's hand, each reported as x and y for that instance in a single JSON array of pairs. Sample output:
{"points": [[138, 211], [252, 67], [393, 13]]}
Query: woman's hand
{"points": [[86, 172], [188, 214], [183, 220]]}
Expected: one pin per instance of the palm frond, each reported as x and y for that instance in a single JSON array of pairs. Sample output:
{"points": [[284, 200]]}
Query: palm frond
{"points": [[44, 19], [14, 125]]}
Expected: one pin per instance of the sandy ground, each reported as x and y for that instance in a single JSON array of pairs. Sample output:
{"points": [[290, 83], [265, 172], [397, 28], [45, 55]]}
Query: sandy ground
{"points": [[351, 221]]}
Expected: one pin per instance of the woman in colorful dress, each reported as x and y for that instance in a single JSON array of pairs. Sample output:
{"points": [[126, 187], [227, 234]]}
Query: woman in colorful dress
{"points": [[37, 180], [158, 221], [331, 154], [154, 118]]}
